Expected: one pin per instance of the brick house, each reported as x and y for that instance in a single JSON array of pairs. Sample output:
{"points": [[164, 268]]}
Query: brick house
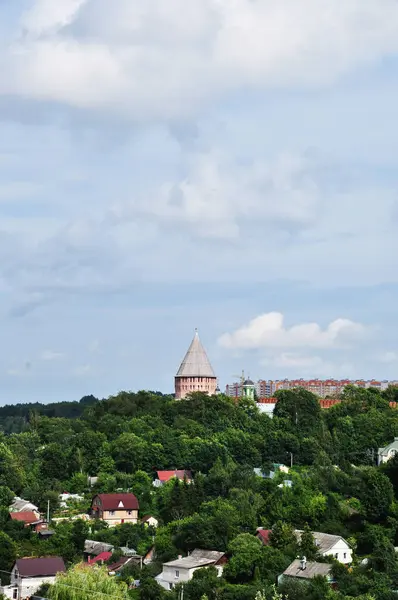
{"points": [[115, 509]]}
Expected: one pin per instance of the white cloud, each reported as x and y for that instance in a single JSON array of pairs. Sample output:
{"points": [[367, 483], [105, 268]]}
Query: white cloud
{"points": [[268, 331], [146, 59], [50, 355], [218, 195]]}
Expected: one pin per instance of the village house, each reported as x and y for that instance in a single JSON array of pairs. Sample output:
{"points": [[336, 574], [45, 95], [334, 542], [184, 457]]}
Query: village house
{"points": [[165, 476], [182, 569], [149, 521], [327, 544], [93, 548], [21, 505], [115, 509], [301, 570], [331, 545], [385, 454], [28, 574]]}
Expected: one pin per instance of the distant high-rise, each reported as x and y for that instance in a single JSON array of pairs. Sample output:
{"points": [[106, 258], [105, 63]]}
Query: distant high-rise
{"points": [[195, 373]]}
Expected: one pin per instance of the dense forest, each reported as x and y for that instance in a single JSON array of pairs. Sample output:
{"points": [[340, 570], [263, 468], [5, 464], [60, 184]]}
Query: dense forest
{"points": [[334, 486]]}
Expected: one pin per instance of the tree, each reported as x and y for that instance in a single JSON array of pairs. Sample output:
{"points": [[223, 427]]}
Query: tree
{"points": [[300, 407], [246, 551], [6, 496], [282, 536], [307, 544], [8, 554], [86, 583], [377, 494]]}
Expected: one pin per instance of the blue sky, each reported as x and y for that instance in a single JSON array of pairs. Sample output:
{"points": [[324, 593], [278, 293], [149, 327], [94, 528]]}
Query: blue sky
{"points": [[229, 165]]}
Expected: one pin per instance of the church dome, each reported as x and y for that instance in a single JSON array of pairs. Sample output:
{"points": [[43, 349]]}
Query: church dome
{"points": [[248, 382]]}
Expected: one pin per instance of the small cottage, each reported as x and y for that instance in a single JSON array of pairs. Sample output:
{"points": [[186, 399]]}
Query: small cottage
{"points": [[115, 509], [388, 452], [165, 476], [29, 574], [301, 570], [330, 545], [182, 569]]}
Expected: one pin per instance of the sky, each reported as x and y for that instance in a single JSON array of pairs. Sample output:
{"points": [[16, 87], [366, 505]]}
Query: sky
{"points": [[230, 165]]}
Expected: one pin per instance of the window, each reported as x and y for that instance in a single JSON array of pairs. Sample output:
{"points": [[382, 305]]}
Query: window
{"points": [[345, 554], [177, 574], [111, 513], [15, 593], [129, 512], [336, 555]]}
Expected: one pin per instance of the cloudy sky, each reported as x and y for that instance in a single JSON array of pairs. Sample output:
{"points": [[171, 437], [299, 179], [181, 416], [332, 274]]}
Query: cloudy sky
{"points": [[230, 165]]}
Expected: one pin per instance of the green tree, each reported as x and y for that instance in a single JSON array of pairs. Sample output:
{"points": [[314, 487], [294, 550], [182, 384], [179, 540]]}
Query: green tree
{"points": [[282, 536], [307, 546], [8, 554], [6, 496], [376, 495], [246, 552], [86, 583]]}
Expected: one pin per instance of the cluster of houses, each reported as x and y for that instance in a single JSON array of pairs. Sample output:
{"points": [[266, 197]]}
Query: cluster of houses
{"points": [[28, 574]]}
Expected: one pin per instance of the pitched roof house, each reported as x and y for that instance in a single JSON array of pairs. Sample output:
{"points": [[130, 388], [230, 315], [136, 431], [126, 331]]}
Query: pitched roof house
{"points": [[389, 451], [115, 509], [165, 476], [303, 570], [28, 574], [93, 548], [331, 545], [28, 517], [150, 521], [263, 535], [182, 569], [21, 505]]}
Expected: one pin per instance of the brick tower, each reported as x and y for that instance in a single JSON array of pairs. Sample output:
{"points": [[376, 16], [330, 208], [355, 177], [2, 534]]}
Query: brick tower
{"points": [[195, 373]]}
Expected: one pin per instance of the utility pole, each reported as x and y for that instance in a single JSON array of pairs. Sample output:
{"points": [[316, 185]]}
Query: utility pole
{"points": [[48, 512], [291, 459]]}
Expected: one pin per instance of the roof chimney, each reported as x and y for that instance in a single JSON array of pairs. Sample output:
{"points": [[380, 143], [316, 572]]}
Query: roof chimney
{"points": [[303, 563]]}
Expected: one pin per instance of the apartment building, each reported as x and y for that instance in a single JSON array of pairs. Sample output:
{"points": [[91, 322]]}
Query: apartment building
{"points": [[324, 388]]}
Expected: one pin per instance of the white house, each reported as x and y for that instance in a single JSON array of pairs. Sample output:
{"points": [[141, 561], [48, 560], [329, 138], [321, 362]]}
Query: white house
{"points": [[331, 545], [65, 498], [28, 574], [182, 569], [21, 505], [384, 454], [150, 521]]}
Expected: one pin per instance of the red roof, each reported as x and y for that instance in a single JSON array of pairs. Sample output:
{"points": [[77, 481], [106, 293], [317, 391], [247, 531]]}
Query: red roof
{"points": [[263, 534], [25, 516], [118, 501], [46, 566], [102, 557], [180, 474]]}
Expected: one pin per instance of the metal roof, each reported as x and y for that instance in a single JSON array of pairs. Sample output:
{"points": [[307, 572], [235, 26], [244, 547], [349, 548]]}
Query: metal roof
{"points": [[312, 569], [196, 363], [324, 541], [198, 558]]}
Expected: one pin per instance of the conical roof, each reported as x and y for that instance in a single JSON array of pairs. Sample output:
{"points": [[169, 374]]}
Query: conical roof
{"points": [[196, 363]]}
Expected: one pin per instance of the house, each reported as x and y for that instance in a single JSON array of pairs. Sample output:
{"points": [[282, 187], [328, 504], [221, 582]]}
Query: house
{"points": [[165, 476], [384, 454], [21, 505], [182, 569], [263, 535], [115, 509], [66, 497], [28, 517], [100, 558], [330, 545], [28, 574], [301, 570], [93, 548], [149, 521], [123, 562]]}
